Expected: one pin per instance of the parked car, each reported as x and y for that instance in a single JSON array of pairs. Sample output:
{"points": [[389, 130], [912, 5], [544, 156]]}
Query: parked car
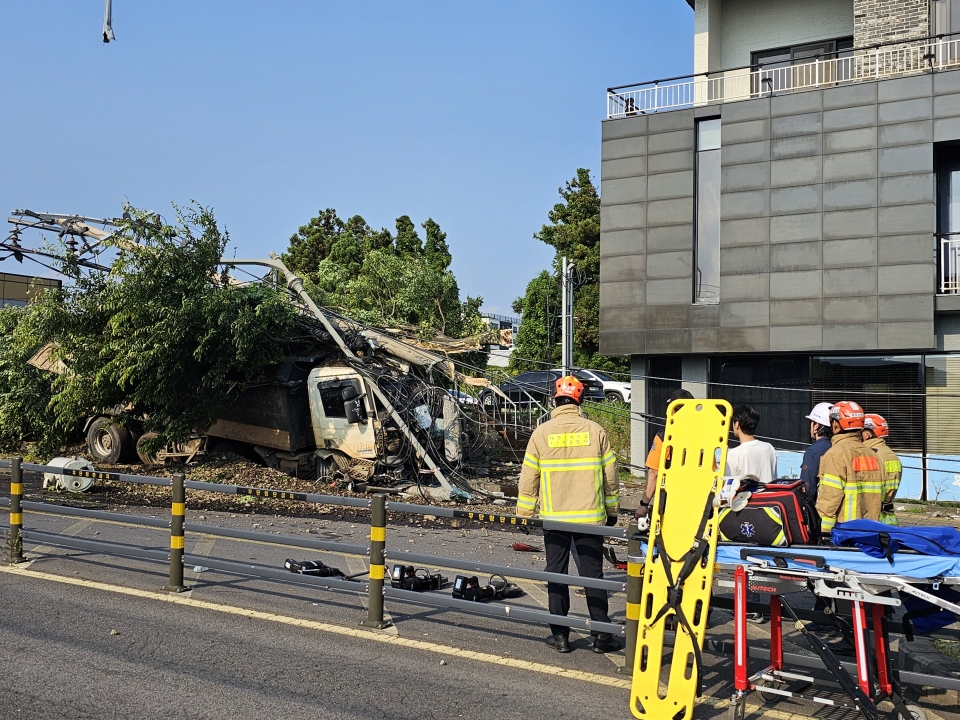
{"points": [[462, 397], [537, 386], [613, 390]]}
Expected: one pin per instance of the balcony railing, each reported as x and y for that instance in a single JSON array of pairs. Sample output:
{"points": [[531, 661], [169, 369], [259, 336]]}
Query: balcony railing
{"points": [[949, 264], [723, 86]]}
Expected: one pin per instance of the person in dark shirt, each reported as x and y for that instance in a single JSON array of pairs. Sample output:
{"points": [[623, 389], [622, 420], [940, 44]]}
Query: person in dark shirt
{"points": [[820, 433]]}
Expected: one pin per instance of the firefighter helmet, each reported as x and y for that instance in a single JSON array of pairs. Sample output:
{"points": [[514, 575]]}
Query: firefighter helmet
{"points": [[876, 424], [569, 387], [848, 414]]}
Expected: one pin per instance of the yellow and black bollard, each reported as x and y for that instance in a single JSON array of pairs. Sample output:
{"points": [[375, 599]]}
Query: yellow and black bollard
{"points": [[378, 540], [634, 588], [177, 511], [16, 512]]}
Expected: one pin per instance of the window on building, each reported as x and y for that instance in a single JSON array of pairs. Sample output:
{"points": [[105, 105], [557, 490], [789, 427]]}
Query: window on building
{"points": [[706, 279], [889, 386], [787, 67], [665, 373], [948, 216], [942, 375], [778, 387]]}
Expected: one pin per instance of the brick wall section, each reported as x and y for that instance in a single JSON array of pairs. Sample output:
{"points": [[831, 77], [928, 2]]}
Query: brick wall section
{"points": [[882, 21]]}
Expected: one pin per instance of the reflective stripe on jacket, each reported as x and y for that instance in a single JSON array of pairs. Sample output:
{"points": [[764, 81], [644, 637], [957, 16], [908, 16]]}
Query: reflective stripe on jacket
{"points": [[851, 482], [570, 470], [892, 470]]}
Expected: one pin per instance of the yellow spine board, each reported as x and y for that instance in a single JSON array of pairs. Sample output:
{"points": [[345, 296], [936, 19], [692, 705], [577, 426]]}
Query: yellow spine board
{"points": [[692, 461]]}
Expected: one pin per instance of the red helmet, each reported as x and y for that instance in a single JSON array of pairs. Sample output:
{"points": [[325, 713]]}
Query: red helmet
{"points": [[569, 387], [848, 414], [876, 424]]}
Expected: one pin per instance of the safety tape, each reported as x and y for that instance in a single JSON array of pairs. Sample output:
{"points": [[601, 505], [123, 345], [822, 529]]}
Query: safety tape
{"points": [[633, 611], [377, 572], [378, 534], [635, 569], [95, 474], [272, 494], [16, 488], [176, 542], [16, 518], [177, 509]]}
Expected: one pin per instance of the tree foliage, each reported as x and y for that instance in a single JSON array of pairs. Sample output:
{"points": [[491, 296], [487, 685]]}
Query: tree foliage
{"points": [[574, 233], [158, 335], [25, 391], [382, 279]]}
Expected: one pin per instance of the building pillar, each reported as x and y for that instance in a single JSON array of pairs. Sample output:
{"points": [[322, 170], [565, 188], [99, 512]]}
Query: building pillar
{"points": [[693, 375], [638, 408]]}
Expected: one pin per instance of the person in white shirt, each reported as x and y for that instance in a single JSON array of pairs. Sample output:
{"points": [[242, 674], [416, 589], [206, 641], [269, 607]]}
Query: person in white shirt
{"points": [[751, 456]]}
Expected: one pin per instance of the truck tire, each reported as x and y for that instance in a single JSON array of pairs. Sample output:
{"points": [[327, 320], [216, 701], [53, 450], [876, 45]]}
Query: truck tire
{"points": [[107, 441], [145, 457]]}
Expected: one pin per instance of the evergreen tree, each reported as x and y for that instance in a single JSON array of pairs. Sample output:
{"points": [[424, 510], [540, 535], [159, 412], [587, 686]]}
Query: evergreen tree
{"points": [[408, 242], [436, 250]]}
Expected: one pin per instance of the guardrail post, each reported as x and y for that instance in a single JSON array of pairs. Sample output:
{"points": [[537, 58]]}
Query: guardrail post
{"points": [[634, 587], [378, 540], [15, 539], [177, 510]]}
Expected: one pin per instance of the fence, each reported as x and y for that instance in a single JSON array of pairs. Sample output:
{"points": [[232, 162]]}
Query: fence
{"points": [[860, 65], [377, 551]]}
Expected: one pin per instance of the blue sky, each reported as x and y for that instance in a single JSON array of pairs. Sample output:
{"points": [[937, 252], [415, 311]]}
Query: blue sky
{"points": [[470, 113]]}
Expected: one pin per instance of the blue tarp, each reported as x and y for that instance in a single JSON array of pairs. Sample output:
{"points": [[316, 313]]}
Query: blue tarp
{"points": [[910, 566]]}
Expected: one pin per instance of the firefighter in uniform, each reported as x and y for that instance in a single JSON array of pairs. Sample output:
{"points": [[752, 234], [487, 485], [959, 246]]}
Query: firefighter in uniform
{"points": [[851, 483], [875, 432], [571, 471]]}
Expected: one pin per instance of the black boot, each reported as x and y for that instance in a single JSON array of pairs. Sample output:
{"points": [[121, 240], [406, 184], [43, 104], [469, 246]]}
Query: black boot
{"points": [[559, 643], [605, 643]]}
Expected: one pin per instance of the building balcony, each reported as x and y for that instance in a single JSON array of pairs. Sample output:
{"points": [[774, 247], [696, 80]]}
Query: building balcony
{"points": [[723, 86]]}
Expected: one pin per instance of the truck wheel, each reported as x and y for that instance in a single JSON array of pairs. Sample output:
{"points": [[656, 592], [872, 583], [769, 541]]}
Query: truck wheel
{"points": [[107, 441], [145, 457]]}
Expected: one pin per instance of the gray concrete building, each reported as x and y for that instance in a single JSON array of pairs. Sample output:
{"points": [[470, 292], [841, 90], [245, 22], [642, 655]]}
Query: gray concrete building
{"points": [[779, 228]]}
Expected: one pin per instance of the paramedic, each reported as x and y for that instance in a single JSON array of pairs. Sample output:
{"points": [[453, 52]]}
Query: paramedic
{"points": [[571, 471], [875, 432], [851, 482], [751, 456], [820, 433], [653, 459]]}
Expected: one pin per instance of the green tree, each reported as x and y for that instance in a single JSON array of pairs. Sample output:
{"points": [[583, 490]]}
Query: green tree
{"points": [[574, 233], [162, 332], [408, 242], [312, 242], [538, 339], [385, 282], [25, 391], [436, 249]]}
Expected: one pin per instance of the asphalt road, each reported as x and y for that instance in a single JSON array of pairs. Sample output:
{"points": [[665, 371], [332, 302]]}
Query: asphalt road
{"points": [[78, 647]]}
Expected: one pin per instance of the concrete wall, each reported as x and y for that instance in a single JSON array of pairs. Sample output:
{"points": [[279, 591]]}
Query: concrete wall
{"points": [[726, 32], [827, 222]]}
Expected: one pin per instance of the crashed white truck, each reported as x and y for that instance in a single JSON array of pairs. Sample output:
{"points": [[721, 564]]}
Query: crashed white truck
{"points": [[365, 408]]}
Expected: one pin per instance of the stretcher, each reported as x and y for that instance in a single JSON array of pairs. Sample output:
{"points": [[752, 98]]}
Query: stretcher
{"points": [[866, 588]]}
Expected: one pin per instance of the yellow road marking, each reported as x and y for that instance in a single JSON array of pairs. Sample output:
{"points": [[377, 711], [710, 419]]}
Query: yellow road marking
{"points": [[352, 632]]}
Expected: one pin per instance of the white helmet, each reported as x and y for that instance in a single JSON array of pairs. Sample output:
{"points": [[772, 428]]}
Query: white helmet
{"points": [[821, 414]]}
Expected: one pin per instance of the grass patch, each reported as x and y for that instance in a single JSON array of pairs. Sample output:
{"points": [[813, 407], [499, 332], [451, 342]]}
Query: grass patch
{"points": [[615, 419], [950, 648]]}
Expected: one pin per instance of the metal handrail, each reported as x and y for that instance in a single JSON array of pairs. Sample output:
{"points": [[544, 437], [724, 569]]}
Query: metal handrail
{"points": [[904, 57], [949, 264]]}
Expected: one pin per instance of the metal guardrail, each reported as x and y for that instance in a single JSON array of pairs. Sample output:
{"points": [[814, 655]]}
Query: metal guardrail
{"points": [[374, 588], [744, 83]]}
